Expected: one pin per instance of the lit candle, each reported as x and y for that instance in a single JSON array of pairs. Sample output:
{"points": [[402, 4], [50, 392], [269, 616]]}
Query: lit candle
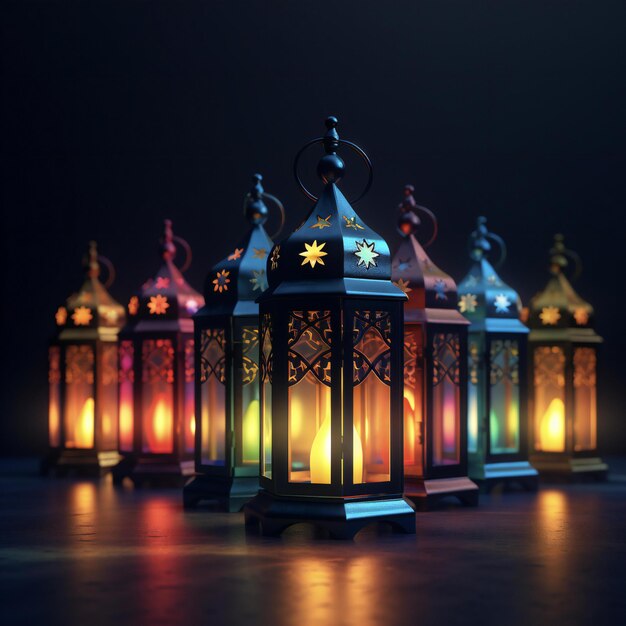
{"points": [[553, 427]]}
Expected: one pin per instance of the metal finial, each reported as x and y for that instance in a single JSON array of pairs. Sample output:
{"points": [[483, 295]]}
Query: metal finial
{"points": [[408, 221], [255, 208], [168, 249], [479, 244], [558, 254], [90, 262], [331, 167]]}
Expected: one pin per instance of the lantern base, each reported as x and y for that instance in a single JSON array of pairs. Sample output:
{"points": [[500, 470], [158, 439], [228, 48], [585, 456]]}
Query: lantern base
{"points": [[230, 494], [342, 518], [571, 468], [158, 472], [510, 473], [80, 462], [426, 493]]}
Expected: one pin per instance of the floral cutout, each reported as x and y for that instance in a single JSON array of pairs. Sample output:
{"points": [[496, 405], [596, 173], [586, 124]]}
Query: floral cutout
{"points": [[403, 285], [82, 316], [162, 282], [366, 253], [221, 281], [236, 254], [313, 253], [502, 303], [468, 303], [60, 317], [351, 223], [322, 222], [259, 281], [440, 289], [549, 316], [259, 253], [111, 316], [274, 257], [158, 305], [133, 305], [581, 316]]}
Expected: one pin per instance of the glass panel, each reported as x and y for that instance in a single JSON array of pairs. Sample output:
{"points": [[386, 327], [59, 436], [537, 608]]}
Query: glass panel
{"points": [[549, 382], [446, 399], [107, 400], [371, 412], [504, 424], [267, 360], [309, 381], [213, 396], [585, 416], [249, 435], [79, 418], [413, 401], [54, 398], [472, 397], [189, 409], [127, 406], [158, 396]]}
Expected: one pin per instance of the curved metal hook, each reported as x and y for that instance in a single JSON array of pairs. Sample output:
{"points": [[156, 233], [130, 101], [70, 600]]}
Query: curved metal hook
{"points": [[278, 203], [497, 239], [350, 145], [578, 264], [433, 219], [110, 269], [185, 266]]}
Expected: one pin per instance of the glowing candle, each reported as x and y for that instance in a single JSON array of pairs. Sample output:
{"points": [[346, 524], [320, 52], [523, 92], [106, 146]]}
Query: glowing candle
{"points": [[449, 422], [126, 422], [85, 425], [552, 428], [472, 419], [251, 432], [409, 427]]}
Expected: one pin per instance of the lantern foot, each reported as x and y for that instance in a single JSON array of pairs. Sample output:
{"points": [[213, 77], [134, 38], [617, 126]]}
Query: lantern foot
{"points": [[508, 475], [228, 494], [79, 462], [425, 494], [341, 518], [154, 472], [570, 468]]}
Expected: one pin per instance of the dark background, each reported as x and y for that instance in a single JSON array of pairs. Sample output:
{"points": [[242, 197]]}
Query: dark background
{"points": [[116, 115]]}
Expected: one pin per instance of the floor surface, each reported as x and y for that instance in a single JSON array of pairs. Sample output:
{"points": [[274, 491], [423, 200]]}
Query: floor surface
{"points": [[83, 552]]}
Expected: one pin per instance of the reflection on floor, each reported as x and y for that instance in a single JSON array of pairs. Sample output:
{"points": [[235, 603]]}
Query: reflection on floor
{"points": [[80, 552]]}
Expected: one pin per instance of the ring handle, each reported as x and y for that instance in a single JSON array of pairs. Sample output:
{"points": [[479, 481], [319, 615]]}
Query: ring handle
{"points": [[188, 256], [349, 144], [435, 223], [578, 264], [500, 242], [110, 269], [277, 202]]}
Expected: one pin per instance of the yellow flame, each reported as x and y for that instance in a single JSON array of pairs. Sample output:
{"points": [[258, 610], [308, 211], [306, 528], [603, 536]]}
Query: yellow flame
{"points": [[192, 425], [251, 432], [552, 428], [85, 425], [126, 423], [160, 422], [320, 456]]}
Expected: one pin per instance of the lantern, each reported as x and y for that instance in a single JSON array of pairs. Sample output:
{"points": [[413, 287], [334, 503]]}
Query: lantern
{"points": [[563, 359], [82, 417], [496, 400], [435, 371], [331, 371], [227, 368], [156, 375]]}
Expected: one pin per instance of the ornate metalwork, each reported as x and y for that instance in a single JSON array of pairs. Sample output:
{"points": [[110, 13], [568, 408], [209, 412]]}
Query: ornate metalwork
{"points": [[54, 371], [126, 371], [411, 355], [549, 366], [158, 360], [309, 345], [372, 345], [79, 362], [446, 358], [474, 362], [584, 367], [213, 355], [250, 341], [189, 368], [108, 364], [504, 360], [267, 354]]}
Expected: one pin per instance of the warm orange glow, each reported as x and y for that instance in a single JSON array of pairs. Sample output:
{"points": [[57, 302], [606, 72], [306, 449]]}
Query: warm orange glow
{"points": [[552, 430], [159, 438], [84, 426], [192, 425], [320, 455], [409, 427], [126, 423], [54, 422], [449, 423], [251, 434]]}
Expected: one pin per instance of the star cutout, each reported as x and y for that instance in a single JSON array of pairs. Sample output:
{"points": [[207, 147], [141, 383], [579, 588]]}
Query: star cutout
{"points": [[403, 284], [82, 316], [366, 254], [158, 305], [467, 303], [162, 282], [192, 306], [259, 253], [274, 257], [549, 316], [236, 254], [221, 281], [581, 316], [61, 316], [403, 264], [313, 254], [133, 305], [351, 223], [322, 222], [502, 303], [471, 281], [259, 282], [111, 316], [494, 280], [440, 290]]}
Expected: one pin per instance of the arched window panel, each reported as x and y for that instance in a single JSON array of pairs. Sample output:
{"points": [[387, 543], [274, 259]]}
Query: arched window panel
{"points": [[108, 399], [446, 436], [309, 397], [413, 401], [549, 418], [54, 396], [267, 361], [371, 412], [504, 400], [157, 396], [248, 428], [79, 417], [213, 396], [127, 395], [585, 400]]}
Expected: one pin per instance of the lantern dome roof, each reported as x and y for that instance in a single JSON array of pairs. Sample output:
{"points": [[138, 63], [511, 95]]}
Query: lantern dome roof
{"points": [[232, 285], [167, 301], [558, 306], [333, 251], [484, 298], [91, 311]]}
